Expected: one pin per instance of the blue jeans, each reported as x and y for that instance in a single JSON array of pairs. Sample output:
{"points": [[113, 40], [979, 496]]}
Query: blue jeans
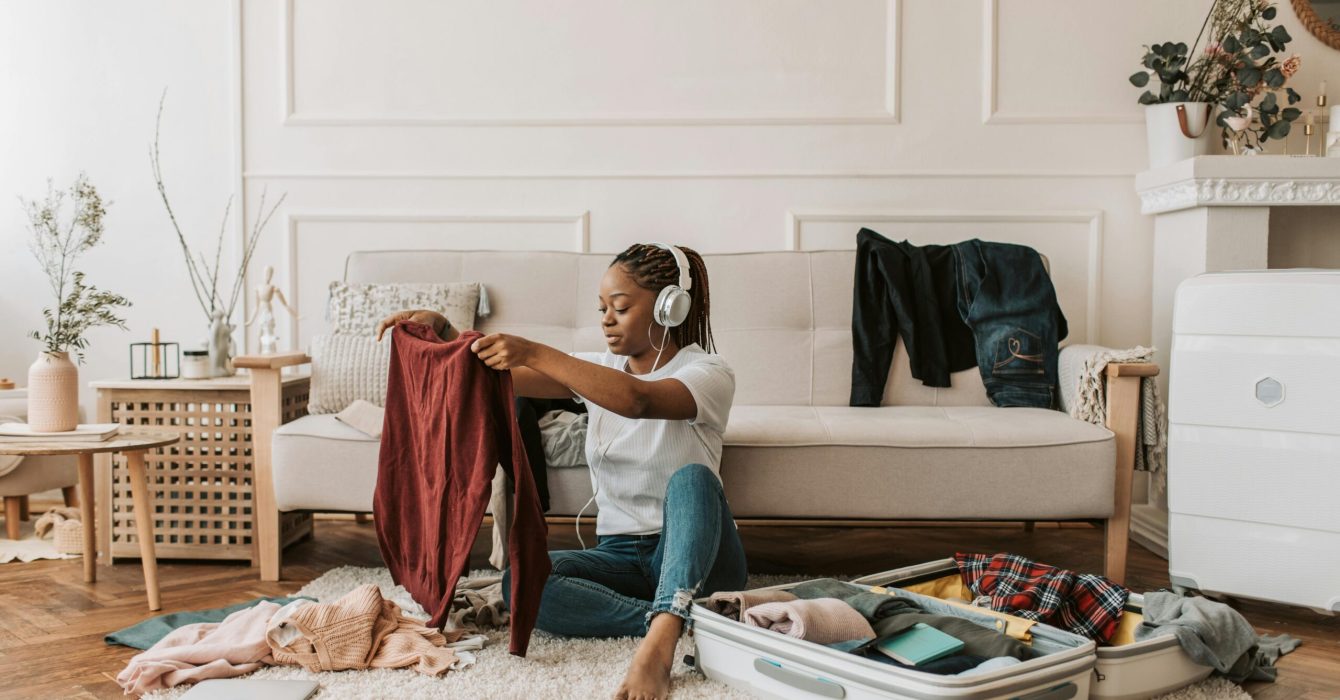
{"points": [[1006, 297], [616, 588]]}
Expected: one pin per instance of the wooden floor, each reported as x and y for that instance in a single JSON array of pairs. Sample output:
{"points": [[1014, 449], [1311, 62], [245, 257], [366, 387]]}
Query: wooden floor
{"points": [[52, 624]]}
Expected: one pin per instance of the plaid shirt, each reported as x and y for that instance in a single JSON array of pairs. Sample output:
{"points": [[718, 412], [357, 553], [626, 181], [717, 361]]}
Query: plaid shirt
{"points": [[1085, 604]]}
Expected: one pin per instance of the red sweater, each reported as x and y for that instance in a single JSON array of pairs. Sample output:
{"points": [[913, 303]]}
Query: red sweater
{"points": [[449, 424]]}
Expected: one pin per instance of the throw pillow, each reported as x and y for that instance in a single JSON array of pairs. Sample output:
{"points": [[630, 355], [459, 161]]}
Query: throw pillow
{"points": [[356, 308], [347, 367]]}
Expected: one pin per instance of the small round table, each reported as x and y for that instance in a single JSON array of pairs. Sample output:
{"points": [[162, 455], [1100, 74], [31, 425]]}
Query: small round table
{"points": [[131, 443]]}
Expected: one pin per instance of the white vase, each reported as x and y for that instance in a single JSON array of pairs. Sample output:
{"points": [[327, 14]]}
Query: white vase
{"points": [[53, 393], [1168, 142]]}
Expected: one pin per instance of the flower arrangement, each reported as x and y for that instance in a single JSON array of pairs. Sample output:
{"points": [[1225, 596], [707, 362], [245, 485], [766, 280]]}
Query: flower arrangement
{"points": [[57, 242], [1238, 70]]}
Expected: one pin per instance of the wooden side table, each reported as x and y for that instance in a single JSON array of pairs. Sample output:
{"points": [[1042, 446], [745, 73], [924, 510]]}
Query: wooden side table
{"points": [[204, 485], [132, 445]]}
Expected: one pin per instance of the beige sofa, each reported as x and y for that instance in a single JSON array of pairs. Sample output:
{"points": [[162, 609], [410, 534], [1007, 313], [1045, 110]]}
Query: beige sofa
{"points": [[794, 449]]}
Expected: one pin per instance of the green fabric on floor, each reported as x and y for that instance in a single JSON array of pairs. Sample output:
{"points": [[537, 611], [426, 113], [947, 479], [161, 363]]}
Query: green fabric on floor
{"points": [[146, 634]]}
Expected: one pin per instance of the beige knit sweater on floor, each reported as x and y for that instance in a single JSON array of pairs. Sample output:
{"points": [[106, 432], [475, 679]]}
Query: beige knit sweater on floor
{"points": [[359, 631]]}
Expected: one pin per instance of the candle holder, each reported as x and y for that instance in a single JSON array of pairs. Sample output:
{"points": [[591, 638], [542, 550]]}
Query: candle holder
{"points": [[154, 360]]}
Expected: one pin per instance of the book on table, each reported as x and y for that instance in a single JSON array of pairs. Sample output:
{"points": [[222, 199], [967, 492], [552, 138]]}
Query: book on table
{"points": [[84, 432]]}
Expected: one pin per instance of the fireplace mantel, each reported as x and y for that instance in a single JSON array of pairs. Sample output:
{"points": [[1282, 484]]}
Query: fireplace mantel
{"points": [[1240, 181]]}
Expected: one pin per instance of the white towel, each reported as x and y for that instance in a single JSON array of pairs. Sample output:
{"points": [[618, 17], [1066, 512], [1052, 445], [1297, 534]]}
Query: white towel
{"points": [[1090, 404]]}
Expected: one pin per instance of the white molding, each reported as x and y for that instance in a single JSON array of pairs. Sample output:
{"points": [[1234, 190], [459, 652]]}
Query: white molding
{"points": [[1225, 192], [1092, 217], [238, 156], [580, 221], [681, 175], [889, 116], [991, 113]]}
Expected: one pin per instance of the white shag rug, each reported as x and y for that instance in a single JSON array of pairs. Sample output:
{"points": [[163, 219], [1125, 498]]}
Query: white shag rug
{"points": [[554, 667]]}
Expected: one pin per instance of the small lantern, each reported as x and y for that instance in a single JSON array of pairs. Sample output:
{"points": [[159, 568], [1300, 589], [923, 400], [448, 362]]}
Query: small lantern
{"points": [[154, 359]]}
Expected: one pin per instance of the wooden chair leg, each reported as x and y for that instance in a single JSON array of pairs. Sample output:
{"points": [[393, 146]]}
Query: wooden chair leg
{"points": [[71, 496], [23, 508], [12, 518]]}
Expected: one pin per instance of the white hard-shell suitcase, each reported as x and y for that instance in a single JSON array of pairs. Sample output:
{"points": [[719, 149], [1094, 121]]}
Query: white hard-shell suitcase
{"points": [[771, 665], [1254, 436], [1128, 670]]}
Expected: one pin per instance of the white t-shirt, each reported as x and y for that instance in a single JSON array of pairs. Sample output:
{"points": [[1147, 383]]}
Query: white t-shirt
{"points": [[632, 460]]}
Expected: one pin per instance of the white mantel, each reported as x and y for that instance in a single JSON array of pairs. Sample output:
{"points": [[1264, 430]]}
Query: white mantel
{"points": [[1212, 213], [1240, 181]]}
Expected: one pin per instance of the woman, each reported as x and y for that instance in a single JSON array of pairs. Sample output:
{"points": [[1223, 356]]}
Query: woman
{"points": [[658, 399]]}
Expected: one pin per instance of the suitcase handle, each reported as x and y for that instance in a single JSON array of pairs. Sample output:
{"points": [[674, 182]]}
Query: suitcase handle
{"points": [[801, 681], [1065, 691]]}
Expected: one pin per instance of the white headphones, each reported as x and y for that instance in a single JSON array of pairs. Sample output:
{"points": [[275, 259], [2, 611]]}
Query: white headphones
{"points": [[672, 304]]}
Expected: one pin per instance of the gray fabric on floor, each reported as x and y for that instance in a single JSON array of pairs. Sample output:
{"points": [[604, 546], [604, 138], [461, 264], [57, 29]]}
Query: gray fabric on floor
{"points": [[1214, 635]]}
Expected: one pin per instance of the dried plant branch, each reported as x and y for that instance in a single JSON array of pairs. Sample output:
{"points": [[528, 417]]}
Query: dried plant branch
{"points": [[204, 277]]}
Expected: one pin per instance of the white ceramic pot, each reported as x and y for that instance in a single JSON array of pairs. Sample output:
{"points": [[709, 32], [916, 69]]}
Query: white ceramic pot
{"points": [[1168, 143], [53, 393]]}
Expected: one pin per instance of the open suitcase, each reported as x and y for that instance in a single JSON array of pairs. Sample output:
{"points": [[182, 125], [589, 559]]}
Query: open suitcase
{"points": [[770, 665], [1125, 670]]}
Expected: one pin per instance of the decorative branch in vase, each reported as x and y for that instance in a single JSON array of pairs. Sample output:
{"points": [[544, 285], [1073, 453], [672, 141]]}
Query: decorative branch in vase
{"points": [[204, 276], [57, 243], [1237, 79]]}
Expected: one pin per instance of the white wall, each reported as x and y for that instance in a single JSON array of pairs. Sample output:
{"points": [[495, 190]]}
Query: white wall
{"points": [[81, 83], [721, 124]]}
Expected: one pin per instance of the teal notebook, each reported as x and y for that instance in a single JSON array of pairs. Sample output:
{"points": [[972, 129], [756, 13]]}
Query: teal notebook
{"points": [[919, 644]]}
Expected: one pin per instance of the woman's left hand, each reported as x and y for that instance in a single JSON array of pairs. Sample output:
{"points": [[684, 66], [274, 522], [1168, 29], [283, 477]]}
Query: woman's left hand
{"points": [[502, 351]]}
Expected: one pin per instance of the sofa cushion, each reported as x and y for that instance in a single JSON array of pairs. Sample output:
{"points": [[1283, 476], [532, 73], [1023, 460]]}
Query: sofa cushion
{"points": [[916, 462], [323, 464]]}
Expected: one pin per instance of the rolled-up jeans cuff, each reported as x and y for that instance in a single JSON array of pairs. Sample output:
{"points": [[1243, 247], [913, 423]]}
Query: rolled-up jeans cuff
{"points": [[678, 605]]}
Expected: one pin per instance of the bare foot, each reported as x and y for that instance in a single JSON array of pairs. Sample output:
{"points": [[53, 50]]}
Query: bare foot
{"points": [[648, 675]]}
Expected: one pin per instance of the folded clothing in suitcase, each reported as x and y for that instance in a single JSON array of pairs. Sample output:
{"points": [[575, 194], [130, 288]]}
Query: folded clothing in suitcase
{"points": [[1126, 669], [1057, 664]]}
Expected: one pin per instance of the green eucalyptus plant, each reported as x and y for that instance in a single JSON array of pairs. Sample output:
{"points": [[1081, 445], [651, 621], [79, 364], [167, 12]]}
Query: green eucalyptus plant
{"points": [[1238, 71], [57, 242]]}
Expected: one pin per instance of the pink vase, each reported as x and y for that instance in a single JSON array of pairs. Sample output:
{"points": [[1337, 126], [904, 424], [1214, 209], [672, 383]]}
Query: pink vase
{"points": [[53, 393]]}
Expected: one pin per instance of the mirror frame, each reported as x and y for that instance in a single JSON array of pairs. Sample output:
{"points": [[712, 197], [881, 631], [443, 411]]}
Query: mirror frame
{"points": [[1316, 24]]}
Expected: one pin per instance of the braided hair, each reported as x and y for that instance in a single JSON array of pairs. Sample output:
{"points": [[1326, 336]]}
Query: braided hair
{"points": [[654, 268]]}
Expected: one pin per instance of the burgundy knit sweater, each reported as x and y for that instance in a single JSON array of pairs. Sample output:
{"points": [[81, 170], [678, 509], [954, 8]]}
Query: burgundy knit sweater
{"points": [[449, 424]]}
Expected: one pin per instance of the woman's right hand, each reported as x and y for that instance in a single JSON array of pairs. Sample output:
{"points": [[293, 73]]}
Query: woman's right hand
{"points": [[437, 321]]}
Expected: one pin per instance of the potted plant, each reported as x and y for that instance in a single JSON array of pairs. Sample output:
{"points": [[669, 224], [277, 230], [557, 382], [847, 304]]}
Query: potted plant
{"points": [[1177, 113], [57, 242], [1236, 68]]}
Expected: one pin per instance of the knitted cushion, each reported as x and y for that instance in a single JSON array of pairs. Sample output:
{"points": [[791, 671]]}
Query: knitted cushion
{"points": [[346, 367], [357, 308]]}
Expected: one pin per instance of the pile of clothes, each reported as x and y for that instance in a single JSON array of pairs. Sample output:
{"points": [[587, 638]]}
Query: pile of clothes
{"points": [[1019, 593], [361, 630]]}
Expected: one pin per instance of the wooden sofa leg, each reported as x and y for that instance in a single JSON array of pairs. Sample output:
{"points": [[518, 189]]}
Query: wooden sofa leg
{"points": [[12, 519], [71, 496], [23, 508], [361, 518], [1029, 525], [1123, 415]]}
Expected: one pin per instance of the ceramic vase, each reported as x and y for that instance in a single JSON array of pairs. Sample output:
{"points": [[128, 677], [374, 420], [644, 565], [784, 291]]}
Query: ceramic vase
{"points": [[53, 393], [1168, 142]]}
